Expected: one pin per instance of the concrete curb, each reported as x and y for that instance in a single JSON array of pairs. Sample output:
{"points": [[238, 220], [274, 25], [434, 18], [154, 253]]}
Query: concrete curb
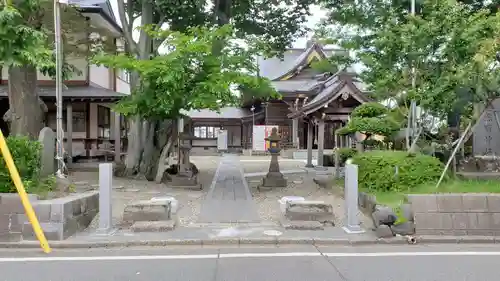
{"points": [[250, 241]]}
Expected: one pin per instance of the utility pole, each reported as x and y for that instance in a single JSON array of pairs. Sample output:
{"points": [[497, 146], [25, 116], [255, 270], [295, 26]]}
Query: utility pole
{"points": [[59, 84], [412, 115]]}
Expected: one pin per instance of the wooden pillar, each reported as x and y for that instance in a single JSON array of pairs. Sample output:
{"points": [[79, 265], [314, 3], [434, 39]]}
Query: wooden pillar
{"points": [[295, 132], [69, 132], [117, 136], [321, 141], [310, 126]]}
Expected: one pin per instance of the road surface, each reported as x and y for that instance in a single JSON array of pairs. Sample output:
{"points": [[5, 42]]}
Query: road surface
{"points": [[257, 263]]}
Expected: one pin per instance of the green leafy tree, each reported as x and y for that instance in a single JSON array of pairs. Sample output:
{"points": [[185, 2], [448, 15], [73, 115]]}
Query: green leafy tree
{"points": [[451, 45], [26, 44], [191, 76], [277, 25]]}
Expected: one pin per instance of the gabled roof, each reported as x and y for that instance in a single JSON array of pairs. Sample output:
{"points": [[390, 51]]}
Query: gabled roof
{"points": [[224, 113], [101, 7], [293, 59], [331, 90]]}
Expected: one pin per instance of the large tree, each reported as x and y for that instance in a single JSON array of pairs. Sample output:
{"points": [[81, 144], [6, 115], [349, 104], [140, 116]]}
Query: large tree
{"points": [[450, 44], [278, 25], [26, 47]]}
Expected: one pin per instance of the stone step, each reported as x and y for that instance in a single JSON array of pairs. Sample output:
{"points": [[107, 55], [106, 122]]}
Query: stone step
{"points": [[153, 226], [147, 210]]}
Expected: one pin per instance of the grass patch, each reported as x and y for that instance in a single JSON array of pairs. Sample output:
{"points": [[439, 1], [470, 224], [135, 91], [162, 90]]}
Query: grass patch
{"points": [[394, 199]]}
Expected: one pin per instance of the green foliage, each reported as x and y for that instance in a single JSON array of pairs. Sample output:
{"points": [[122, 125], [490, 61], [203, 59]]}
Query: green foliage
{"points": [[26, 155], [20, 42], [346, 153], [396, 170], [191, 76], [369, 109], [370, 119], [451, 45]]}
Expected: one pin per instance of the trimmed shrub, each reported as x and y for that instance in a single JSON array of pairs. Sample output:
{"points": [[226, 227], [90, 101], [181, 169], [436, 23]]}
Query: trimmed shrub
{"points": [[385, 170], [26, 154], [346, 153]]}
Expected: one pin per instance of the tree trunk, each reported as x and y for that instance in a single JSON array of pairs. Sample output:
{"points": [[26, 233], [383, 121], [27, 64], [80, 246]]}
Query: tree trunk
{"points": [[150, 144], [26, 114]]}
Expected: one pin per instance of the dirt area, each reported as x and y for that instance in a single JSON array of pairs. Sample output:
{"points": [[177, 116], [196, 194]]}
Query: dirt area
{"points": [[299, 185], [127, 190]]}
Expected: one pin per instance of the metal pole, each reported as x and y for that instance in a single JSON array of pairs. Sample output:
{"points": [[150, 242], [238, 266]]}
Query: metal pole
{"points": [[59, 96], [412, 119]]}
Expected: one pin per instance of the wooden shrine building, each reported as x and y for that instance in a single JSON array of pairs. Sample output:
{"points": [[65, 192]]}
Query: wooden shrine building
{"points": [[313, 105]]}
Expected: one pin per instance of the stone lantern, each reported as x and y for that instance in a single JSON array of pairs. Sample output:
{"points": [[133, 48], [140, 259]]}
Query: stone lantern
{"points": [[274, 177]]}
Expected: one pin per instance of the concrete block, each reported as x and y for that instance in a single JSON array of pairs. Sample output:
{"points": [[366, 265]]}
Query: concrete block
{"points": [[153, 226], [493, 203], [147, 210], [464, 221], [53, 231], [422, 203], [57, 212], [383, 231], [484, 221], [11, 237], [495, 221], [480, 232], [475, 203], [406, 228], [301, 225], [309, 211], [449, 203], [444, 232], [433, 221]]}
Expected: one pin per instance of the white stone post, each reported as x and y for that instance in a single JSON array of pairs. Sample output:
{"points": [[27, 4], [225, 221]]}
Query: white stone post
{"points": [[105, 188], [351, 199], [309, 145], [321, 141], [295, 133], [69, 132]]}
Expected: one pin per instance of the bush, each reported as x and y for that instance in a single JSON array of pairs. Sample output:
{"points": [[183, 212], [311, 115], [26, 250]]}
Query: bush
{"points": [[346, 153], [377, 170], [26, 154]]}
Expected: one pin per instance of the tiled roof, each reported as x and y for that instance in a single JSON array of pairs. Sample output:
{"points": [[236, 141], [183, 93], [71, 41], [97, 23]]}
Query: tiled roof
{"points": [[295, 85], [71, 92], [225, 113]]}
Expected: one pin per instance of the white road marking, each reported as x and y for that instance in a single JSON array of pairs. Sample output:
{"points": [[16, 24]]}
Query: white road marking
{"points": [[244, 255]]}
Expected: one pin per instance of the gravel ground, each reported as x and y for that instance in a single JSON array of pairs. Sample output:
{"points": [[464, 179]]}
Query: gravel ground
{"points": [[127, 190], [190, 201]]}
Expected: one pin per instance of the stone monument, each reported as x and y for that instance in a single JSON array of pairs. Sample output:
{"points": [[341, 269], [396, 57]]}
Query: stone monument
{"points": [[185, 176], [274, 177], [47, 139]]}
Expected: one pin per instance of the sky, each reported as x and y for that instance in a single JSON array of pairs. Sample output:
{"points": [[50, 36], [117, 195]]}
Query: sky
{"points": [[317, 14]]}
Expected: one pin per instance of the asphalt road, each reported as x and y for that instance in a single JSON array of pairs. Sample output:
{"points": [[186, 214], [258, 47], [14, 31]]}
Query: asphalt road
{"points": [[265, 263]]}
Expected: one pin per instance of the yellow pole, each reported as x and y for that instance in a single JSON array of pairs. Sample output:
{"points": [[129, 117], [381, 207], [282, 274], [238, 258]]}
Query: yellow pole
{"points": [[24, 196]]}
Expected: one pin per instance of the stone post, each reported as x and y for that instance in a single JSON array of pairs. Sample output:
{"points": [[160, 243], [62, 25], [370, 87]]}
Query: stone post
{"points": [[351, 199], [274, 177], [118, 137], [105, 189], [321, 141], [69, 132], [309, 145]]}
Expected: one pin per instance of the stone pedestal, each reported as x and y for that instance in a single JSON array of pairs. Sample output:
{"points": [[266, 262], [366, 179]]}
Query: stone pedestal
{"points": [[185, 177], [274, 177]]}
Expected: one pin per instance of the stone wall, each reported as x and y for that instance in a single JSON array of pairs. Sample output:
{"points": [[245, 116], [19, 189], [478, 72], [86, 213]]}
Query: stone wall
{"points": [[59, 218], [456, 214]]}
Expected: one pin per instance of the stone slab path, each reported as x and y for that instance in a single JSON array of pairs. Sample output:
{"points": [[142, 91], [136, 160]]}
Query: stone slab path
{"points": [[229, 199]]}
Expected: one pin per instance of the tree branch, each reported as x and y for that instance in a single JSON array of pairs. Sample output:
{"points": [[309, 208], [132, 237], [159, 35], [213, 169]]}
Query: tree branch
{"points": [[127, 23]]}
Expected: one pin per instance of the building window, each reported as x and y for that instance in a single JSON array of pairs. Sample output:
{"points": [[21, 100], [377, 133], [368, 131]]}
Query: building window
{"points": [[124, 75], [206, 132], [103, 121]]}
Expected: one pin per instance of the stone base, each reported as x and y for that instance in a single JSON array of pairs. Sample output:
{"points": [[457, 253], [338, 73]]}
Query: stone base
{"points": [[153, 226], [147, 210], [309, 211], [273, 180], [301, 225], [180, 181]]}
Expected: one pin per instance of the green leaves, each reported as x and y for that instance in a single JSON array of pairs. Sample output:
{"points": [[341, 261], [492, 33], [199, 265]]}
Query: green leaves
{"points": [[21, 43], [450, 45], [192, 75], [371, 119]]}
